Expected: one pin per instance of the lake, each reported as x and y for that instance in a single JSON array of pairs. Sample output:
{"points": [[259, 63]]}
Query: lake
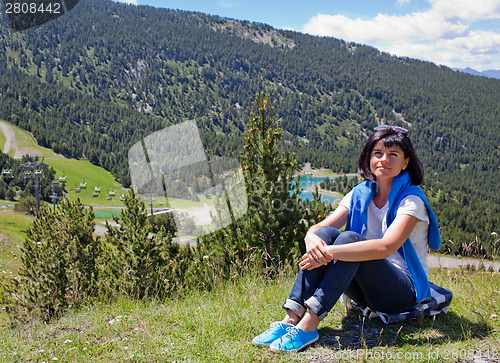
{"points": [[307, 183]]}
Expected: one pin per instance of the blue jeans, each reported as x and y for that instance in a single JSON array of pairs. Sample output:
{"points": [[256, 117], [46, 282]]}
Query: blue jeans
{"points": [[377, 284]]}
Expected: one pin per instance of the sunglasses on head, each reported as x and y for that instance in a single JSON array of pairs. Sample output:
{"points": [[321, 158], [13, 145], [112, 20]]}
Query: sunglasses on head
{"points": [[395, 128]]}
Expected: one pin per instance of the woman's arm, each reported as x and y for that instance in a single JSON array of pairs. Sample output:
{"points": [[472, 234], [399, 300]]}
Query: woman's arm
{"points": [[315, 246], [375, 249]]}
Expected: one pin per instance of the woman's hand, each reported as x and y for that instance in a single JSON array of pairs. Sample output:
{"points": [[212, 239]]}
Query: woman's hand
{"points": [[308, 263], [315, 246], [316, 249]]}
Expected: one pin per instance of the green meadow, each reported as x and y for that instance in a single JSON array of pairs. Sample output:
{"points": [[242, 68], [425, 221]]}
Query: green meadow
{"points": [[83, 176], [12, 233]]}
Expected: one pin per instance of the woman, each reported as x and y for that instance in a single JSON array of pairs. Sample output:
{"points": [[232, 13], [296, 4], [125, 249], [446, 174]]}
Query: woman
{"points": [[380, 261]]}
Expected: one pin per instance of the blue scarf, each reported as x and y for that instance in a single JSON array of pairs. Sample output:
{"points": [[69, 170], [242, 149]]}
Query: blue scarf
{"points": [[400, 189]]}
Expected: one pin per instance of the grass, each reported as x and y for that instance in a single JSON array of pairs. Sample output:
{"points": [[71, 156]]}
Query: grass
{"points": [[78, 171], [218, 327], [12, 233], [14, 224]]}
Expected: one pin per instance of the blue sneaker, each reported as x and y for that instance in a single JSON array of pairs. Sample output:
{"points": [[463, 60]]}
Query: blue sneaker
{"points": [[295, 340], [277, 330]]}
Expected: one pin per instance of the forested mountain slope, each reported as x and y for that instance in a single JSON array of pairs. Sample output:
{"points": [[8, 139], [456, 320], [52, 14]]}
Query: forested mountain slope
{"points": [[92, 82]]}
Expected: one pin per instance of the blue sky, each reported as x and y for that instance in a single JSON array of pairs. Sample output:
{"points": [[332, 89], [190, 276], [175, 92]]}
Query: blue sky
{"points": [[455, 33]]}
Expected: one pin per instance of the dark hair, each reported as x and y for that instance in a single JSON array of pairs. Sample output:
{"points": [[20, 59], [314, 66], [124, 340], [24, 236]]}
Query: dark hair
{"points": [[391, 137]]}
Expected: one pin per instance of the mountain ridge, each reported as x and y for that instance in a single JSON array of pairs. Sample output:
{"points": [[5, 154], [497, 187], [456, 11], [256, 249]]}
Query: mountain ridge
{"points": [[492, 73]]}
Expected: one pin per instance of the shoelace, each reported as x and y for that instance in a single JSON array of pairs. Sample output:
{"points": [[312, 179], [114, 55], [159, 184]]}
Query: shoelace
{"points": [[287, 329], [292, 332], [275, 323]]}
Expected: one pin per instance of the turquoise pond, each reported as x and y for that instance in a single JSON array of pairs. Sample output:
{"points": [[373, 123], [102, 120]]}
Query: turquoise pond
{"points": [[307, 183]]}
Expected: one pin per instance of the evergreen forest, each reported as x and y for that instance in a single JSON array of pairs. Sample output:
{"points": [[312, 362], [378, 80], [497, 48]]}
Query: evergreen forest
{"points": [[92, 83]]}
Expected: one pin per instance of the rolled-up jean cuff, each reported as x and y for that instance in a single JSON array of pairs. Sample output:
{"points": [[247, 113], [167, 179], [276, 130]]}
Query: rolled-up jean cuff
{"points": [[313, 305], [295, 307]]}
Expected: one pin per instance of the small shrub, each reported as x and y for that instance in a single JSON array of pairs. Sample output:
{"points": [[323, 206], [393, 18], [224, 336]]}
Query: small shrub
{"points": [[26, 205], [142, 264], [59, 262], [165, 220]]}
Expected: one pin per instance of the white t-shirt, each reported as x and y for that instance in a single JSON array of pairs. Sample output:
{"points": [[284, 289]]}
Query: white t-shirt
{"points": [[377, 226]]}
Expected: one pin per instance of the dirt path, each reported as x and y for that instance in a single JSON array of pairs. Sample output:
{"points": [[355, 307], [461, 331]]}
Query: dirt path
{"points": [[10, 137], [11, 143], [453, 262]]}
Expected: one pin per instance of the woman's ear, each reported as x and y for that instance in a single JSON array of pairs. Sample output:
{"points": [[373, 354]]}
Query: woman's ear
{"points": [[405, 163]]}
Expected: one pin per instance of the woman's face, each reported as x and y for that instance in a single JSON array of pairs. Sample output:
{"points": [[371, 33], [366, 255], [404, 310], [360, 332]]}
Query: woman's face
{"points": [[387, 162]]}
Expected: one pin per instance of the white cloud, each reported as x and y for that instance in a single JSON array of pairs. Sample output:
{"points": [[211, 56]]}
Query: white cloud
{"points": [[442, 34], [415, 27], [467, 9]]}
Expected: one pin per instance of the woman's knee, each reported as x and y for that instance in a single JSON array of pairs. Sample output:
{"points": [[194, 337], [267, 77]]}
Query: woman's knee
{"points": [[348, 237], [328, 234]]}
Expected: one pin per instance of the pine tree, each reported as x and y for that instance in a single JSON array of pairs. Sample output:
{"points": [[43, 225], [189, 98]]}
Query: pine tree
{"points": [[59, 261], [274, 208], [144, 264]]}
